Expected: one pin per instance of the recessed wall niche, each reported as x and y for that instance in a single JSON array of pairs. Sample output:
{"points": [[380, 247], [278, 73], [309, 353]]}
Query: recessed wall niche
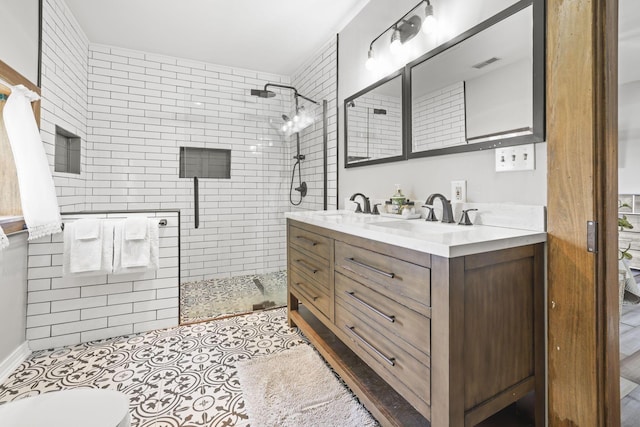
{"points": [[67, 154], [205, 163]]}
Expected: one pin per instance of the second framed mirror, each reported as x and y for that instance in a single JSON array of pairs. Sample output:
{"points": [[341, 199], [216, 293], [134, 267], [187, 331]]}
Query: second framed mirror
{"points": [[374, 123], [483, 89]]}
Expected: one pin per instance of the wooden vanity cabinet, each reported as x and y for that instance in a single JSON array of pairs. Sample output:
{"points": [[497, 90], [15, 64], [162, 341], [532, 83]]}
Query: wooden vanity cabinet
{"points": [[421, 339]]}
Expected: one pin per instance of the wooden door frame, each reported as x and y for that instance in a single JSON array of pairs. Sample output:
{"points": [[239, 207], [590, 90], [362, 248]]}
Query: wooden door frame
{"points": [[583, 316]]}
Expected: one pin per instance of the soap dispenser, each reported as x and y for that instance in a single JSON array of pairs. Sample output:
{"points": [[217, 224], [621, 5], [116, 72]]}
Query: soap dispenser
{"points": [[397, 200]]}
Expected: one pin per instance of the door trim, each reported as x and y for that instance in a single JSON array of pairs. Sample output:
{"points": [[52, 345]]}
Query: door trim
{"points": [[583, 316]]}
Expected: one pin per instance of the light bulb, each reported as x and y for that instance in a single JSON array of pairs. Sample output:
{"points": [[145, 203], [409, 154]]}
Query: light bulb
{"points": [[371, 63], [296, 118], [396, 44], [284, 128], [289, 123], [430, 22], [395, 47]]}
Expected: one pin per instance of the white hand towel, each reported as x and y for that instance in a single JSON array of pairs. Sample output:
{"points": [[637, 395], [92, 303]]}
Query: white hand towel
{"points": [[135, 228], [86, 253], [135, 249], [37, 191], [124, 249], [4, 240], [86, 229], [105, 251]]}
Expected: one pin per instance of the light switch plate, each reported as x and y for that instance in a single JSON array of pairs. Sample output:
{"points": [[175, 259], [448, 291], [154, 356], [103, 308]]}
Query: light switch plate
{"points": [[458, 191], [518, 158]]}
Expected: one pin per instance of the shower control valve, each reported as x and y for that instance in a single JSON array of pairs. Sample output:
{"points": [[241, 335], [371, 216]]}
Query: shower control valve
{"points": [[299, 157]]}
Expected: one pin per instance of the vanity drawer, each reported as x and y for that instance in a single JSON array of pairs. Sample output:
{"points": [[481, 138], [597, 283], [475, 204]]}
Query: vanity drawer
{"points": [[314, 295], [403, 372], [399, 324], [407, 283], [313, 268], [310, 241]]}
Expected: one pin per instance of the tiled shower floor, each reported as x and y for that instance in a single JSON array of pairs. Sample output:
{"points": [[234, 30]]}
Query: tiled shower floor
{"points": [[212, 299]]}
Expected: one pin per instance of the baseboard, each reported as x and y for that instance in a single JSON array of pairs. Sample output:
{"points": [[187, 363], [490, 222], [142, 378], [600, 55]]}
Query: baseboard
{"points": [[15, 359]]}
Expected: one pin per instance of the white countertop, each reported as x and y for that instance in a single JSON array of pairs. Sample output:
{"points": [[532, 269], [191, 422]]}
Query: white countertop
{"points": [[446, 240]]}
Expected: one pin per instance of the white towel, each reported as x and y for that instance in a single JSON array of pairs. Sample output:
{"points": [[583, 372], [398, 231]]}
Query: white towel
{"points": [[86, 246], [101, 250], [131, 256], [37, 191], [136, 227], [4, 240], [136, 248], [86, 229]]}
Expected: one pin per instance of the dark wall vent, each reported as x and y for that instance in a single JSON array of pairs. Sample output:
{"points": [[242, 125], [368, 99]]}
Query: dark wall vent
{"points": [[483, 64]]}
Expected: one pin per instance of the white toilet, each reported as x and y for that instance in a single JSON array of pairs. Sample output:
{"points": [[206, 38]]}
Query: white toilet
{"points": [[68, 408]]}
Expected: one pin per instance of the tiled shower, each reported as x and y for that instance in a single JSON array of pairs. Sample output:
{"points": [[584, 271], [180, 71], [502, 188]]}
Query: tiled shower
{"points": [[134, 110]]}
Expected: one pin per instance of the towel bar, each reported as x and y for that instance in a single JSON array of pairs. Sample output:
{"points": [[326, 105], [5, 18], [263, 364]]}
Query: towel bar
{"points": [[161, 223]]}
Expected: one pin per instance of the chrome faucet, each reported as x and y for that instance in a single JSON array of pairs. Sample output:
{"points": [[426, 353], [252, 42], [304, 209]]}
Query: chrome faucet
{"points": [[365, 199], [447, 213]]}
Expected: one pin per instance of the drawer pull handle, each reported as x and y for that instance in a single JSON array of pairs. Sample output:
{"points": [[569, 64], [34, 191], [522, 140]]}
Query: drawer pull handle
{"points": [[307, 240], [314, 298], [307, 266], [375, 310], [368, 267], [390, 360]]}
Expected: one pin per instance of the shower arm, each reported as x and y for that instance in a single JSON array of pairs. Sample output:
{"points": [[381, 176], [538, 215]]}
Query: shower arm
{"points": [[295, 92]]}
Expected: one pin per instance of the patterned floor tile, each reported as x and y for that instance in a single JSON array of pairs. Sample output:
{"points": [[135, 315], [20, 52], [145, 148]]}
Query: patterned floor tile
{"points": [[183, 376]]}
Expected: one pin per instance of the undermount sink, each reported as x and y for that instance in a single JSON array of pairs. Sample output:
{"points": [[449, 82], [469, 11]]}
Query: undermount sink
{"points": [[421, 227]]}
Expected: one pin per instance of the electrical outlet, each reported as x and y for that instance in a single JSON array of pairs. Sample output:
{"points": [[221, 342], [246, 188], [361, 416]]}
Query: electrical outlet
{"points": [[458, 191], [518, 158]]}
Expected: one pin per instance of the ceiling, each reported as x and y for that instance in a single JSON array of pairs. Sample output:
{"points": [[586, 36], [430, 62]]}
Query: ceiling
{"points": [[273, 36]]}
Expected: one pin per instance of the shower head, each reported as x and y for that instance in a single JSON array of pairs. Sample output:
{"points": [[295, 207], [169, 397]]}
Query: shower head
{"points": [[288, 124], [262, 93]]}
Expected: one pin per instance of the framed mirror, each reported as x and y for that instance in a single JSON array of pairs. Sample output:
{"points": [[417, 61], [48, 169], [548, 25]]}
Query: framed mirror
{"points": [[21, 38], [374, 123], [483, 89]]}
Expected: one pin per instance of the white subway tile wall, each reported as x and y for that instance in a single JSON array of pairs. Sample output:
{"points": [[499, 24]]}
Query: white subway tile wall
{"points": [[133, 111], [65, 50], [69, 310], [439, 119], [151, 106], [143, 108]]}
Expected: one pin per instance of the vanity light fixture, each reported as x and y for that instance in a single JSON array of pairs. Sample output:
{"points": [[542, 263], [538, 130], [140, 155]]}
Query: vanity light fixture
{"points": [[404, 29]]}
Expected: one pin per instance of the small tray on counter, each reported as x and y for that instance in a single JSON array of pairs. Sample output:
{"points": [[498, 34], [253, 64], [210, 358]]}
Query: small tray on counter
{"points": [[416, 215]]}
